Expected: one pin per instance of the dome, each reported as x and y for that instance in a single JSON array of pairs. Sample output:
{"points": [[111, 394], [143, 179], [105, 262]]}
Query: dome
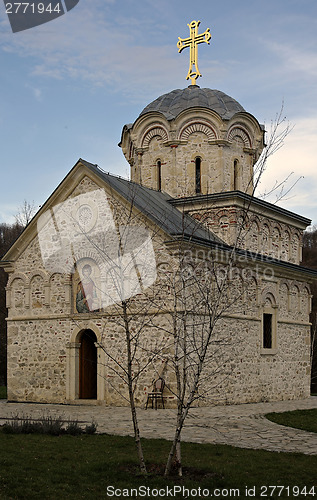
{"points": [[173, 103]]}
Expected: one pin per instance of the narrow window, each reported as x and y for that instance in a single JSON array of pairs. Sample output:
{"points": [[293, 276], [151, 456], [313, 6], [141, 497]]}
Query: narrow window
{"points": [[267, 331], [197, 174], [235, 175], [159, 175]]}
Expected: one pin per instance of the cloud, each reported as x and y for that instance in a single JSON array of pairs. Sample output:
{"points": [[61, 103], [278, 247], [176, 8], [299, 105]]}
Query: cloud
{"points": [[298, 158], [102, 47], [299, 62], [37, 93], [7, 211]]}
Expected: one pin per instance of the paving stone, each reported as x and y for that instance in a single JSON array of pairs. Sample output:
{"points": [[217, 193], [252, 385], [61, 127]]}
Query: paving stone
{"points": [[244, 426]]}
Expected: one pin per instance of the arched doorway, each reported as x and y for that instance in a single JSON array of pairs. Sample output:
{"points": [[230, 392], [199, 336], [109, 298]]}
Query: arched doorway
{"points": [[88, 366]]}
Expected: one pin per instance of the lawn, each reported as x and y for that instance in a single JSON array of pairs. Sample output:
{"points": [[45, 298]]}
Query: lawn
{"points": [[68, 467], [3, 392], [300, 419]]}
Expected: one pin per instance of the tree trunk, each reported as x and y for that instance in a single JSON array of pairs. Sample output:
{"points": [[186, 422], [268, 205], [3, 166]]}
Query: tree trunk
{"points": [[175, 448], [131, 394]]}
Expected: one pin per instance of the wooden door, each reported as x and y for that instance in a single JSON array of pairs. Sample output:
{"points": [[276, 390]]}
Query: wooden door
{"points": [[88, 366]]}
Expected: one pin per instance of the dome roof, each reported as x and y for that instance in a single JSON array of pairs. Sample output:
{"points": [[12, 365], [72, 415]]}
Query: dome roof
{"points": [[173, 103]]}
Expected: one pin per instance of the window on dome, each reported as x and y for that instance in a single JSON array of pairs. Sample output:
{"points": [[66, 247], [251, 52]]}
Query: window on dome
{"points": [[198, 174], [236, 183], [159, 175]]}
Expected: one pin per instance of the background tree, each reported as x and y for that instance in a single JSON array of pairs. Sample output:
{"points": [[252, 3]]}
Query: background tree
{"points": [[25, 213], [310, 260], [8, 234]]}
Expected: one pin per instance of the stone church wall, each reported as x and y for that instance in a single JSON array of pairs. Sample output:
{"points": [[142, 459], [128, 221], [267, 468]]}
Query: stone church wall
{"points": [[255, 232], [42, 339], [38, 352], [37, 360]]}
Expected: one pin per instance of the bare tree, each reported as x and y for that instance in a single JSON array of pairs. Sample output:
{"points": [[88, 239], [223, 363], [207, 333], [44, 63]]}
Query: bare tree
{"points": [[278, 132], [202, 285], [25, 213], [121, 296], [313, 355], [8, 234], [310, 260], [204, 289]]}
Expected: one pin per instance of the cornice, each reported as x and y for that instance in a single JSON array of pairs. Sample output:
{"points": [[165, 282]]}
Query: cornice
{"points": [[244, 201]]}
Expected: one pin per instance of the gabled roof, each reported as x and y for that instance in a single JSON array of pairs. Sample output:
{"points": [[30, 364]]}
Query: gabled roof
{"points": [[155, 205], [158, 207]]}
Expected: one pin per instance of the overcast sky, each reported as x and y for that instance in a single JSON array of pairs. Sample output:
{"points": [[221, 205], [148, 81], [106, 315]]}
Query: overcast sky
{"points": [[69, 86]]}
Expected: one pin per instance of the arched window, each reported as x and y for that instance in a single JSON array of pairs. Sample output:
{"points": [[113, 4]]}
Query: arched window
{"points": [[269, 326], [236, 183], [159, 175], [198, 174]]}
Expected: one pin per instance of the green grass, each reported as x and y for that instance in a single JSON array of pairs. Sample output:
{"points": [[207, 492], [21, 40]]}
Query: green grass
{"points": [[300, 419], [68, 467], [3, 392]]}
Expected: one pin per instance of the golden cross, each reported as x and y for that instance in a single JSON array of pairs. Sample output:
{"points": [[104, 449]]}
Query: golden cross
{"points": [[192, 42]]}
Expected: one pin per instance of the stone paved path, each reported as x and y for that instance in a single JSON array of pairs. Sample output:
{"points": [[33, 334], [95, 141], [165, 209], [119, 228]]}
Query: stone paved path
{"points": [[240, 425]]}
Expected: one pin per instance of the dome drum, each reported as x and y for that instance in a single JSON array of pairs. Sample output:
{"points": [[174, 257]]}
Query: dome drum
{"points": [[186, 126]]}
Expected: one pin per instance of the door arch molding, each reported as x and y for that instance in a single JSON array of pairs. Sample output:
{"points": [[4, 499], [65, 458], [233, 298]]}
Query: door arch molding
{"points": [[73, 364]]}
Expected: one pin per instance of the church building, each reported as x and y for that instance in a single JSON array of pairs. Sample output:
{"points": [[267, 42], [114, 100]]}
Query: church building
{"points": [[101, 242]]}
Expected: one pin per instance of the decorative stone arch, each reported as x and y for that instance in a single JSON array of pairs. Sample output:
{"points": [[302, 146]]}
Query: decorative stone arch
{"points": [[131, 151], [277, 227], [305, 300], [85, 325], [242, 133], [15, 276], [305, 289], [223, 222], [295, 297], [251, 288], [10, 289], [285, 244], [195, 126], [255, 219], [276, 233], [72, 374], [295, 247], [284, 296], [230, 214], [253, 234], [64, 282], [45, 277], [163, 268], [266, 238], [154, 131], [237, 290], [89, 253], [46, 286], [268, 298], [58, 274]]}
